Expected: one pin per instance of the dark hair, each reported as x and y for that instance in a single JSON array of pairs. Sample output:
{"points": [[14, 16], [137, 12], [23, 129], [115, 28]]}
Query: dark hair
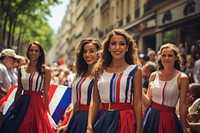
{"points": [[41, 59], [184, 59], [195, 87], [177, 63], [81, 65]]}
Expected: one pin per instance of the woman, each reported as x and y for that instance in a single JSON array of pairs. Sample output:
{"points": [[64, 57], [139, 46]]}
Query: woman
{"points": [[166, 86], [117, 83], [30, 113], [86, 57]]}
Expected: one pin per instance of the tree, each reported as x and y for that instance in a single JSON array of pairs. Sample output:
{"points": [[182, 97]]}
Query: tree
{"points": [[25, 21]]}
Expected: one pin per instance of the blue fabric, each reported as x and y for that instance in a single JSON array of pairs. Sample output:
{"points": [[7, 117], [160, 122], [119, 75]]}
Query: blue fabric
{"points": [[78, 122], [12, 122], [151, 121], [106, 122]]}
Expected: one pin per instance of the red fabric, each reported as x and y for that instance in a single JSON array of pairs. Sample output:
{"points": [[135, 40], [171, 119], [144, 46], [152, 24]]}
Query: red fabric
{"points": [[163, 107], [3, 99], [52, 91], [118, 87], [83, 107], [79, 90], [65, 120], [167, 122], [127, 122], [116, 106], [36, 119]]}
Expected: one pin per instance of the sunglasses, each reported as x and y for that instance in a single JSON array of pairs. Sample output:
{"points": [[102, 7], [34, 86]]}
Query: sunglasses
{"points": [[13, 58]]}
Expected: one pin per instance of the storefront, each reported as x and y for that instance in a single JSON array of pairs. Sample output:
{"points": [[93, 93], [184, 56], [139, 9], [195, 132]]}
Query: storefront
{"points": [[144, 32], [179, 24]]}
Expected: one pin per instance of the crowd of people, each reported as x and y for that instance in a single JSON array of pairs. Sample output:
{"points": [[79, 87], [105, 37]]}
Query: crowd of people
{"points": [[115, 88]]}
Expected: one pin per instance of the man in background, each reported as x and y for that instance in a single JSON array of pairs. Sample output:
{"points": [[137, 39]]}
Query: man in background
{"points": [[7, 60]]}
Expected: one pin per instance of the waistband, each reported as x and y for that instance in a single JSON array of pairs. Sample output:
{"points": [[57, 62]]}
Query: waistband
{"points": [[34, 93], [83, 107], [163, 107], [116, 106]]}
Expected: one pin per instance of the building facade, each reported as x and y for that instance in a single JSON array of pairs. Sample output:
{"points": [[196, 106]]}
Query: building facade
{"points": [[150, 22]]}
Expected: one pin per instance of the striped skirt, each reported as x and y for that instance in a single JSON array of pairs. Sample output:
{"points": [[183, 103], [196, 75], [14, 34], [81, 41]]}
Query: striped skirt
{"points": [[28, 116], [115, 118], [161, 119]]}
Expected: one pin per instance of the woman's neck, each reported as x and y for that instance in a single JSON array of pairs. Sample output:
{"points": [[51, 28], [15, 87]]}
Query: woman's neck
{"points": [[169, 71], [32, 64], [118, 64]]}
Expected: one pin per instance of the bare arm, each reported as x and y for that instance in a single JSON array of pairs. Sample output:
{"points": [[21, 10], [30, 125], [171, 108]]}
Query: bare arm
{"points": [[183, 85], [146, 98], [63, 129], [195, 126], [94, 106], [138, 99], [47, 78]]}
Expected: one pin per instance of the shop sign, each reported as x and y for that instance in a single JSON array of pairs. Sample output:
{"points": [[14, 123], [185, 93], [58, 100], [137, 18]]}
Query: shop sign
{"points": [[187, 9]]}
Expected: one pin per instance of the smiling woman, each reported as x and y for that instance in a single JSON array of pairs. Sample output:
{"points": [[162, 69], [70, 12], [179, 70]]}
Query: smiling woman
{"points": [[30, 110], [166, 86], [82, 87]]}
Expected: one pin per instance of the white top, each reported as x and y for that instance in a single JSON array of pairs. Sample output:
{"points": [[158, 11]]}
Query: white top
{"points": [[31, 81], [82, 90], [5, 80], [117, 87], [165, 92]]}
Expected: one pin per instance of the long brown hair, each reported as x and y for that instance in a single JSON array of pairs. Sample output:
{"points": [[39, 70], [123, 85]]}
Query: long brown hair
{"points": [[81, 65], [41, 59], [105, 60]]}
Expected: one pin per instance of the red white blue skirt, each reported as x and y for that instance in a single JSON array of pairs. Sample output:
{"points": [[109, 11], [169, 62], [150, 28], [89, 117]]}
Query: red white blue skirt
{"points": [[115, 118], [161, 119], [28, 116]]}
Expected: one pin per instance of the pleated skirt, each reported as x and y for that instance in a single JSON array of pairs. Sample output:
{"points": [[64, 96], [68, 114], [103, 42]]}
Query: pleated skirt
{"points": [[78, 122], [161, 119], [28, 116], [120, 119]]}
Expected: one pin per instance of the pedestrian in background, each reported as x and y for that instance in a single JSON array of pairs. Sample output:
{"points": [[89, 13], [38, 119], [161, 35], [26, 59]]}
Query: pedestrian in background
{"points": [[117, 84], [86, 56], [165, 87], [7, 79], [30, 110]]}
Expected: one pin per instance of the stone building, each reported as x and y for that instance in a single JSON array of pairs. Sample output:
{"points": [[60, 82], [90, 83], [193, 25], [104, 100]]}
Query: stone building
{"points": [[150, 22]]}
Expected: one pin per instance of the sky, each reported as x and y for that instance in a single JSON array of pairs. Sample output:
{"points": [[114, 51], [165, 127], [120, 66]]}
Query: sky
{"points": [[58, 13]]}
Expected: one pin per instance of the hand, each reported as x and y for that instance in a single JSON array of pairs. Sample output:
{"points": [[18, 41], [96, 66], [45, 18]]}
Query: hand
{"points": [[197, 115], [190, 99], [43, 68], [89, 130], [62, 129]]}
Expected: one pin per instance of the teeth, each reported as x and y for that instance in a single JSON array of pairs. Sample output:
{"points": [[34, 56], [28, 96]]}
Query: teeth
{"points": [[117, 52]]}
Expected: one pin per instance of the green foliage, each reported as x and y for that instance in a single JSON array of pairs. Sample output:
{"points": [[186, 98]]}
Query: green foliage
{"points": [[30, 20], [170, 37]]}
